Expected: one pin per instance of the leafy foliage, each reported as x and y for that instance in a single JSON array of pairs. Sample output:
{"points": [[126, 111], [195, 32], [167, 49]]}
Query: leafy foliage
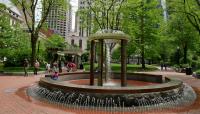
{"points": [[29, 7], [141, 23], [55, 41], [130, 67], [14, 42], [180, 31]]}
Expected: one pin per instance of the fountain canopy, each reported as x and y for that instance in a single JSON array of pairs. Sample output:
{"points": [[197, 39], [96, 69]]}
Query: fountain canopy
{"points": [[109, 34], [101, 38]]}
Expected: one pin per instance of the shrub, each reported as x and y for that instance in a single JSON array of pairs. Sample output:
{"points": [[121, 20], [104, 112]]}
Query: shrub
{"points": [[130, 67]]}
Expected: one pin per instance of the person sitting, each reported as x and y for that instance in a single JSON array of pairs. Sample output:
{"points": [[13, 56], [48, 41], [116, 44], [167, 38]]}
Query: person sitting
{"points": [[71, 66], [55, 70], [74, 68], [55, 76], [81, 66]]}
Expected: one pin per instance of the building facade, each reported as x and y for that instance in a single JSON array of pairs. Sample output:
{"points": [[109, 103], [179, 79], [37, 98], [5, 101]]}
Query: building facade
{"points": [[13, 12], [78, 37], [83, 31]]}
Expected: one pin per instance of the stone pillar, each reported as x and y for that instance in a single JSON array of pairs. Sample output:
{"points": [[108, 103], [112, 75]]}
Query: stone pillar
{"points": [[123, 63], [76, 60], [79, 61], [106, 65], [100, 79], [92, 52]]}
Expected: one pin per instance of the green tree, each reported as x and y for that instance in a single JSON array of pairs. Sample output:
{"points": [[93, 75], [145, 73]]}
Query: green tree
{"points": [[101, 14], [140, 19], [104, 13], [14, 42], [5, 28], [55, 41], [182, 33], [131, 48], [28, 8], [192, 11], [189, 8], [54, 44]]}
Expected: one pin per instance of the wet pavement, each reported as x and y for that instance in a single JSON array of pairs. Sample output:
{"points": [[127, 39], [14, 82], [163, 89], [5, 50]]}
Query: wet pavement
{"points": [[13, 98]]}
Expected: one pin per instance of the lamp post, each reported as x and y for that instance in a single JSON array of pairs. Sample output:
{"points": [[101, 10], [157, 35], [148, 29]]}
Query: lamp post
{"points": [[38, 46], [123, 63], [178, 55]]}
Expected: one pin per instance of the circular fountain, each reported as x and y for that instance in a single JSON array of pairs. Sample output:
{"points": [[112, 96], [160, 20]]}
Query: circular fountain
{"points": [[111, 90]]}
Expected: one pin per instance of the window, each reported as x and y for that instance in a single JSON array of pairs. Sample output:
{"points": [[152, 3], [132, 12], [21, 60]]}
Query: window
{"points": [[80, 44], [72, 42]]}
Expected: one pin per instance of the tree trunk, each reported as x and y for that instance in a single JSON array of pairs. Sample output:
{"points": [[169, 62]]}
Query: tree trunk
{"points": [[149, 61], [185, 54], [33, 47], [106, 64], [123, 63], [128, 59], [92, 53], [138, 60], [143, 61], [142, 37]]}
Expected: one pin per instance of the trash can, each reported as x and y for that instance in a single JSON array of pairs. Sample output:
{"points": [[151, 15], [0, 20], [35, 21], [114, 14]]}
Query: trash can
{"points": [[188, 71], [81, 66]]}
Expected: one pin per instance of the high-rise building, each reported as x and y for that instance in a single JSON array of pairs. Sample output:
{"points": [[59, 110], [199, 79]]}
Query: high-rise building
{"points": [[83, 31], [79, 36], [69, 20], [59, 20]]}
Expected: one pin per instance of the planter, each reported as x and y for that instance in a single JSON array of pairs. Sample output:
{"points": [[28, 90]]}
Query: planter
{"points": [[198, 76]]}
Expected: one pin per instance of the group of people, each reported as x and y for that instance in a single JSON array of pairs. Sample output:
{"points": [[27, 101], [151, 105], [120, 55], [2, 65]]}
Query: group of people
{"points": [[26, 66], [55, 68], [163, 66]]}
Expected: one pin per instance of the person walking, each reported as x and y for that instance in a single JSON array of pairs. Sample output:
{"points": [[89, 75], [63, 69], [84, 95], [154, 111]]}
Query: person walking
{"points": [[36, 67], [60, 66], [25, 67], [165, 66], [81, 66]]}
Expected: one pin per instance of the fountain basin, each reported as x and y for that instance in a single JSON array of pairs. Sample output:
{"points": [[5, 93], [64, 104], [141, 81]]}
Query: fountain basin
{"points": [[164, 92], [165, 84]]}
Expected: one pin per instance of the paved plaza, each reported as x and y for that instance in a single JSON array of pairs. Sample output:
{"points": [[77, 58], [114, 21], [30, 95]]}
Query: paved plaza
{"points": [[13, 98]]}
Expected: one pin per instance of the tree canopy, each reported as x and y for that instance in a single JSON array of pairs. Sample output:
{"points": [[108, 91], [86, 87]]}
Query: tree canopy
{"points": [[29, 8]]}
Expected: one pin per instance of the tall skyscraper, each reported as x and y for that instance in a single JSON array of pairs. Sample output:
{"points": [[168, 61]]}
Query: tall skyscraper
{"points": [[69, 20], [59, 20], [78, 37]]}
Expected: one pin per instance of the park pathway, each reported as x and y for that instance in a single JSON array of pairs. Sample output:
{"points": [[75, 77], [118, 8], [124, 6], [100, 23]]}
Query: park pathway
{"points": [[11, 103]]}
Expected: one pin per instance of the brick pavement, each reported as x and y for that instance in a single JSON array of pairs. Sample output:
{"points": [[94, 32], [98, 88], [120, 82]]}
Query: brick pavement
{"points": [[11, 103]]}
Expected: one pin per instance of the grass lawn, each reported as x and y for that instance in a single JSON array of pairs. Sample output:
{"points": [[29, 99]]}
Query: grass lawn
{"points": [[130, 67], [1, 66]]}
